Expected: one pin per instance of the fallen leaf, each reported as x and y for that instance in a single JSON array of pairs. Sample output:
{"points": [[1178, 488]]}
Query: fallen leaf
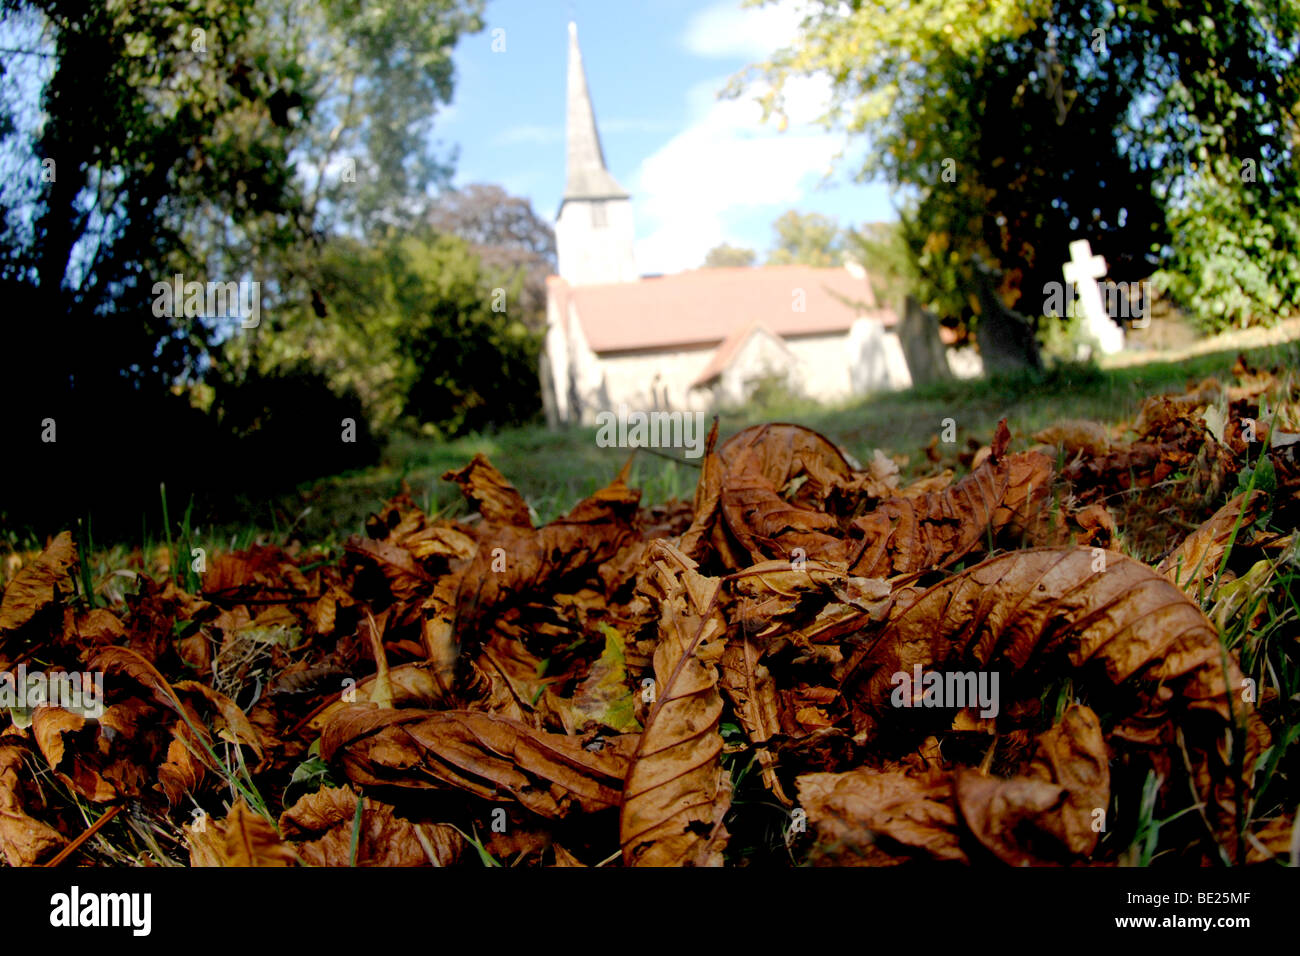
{"points": [[494, 497], [1076, 437], [24, 840], [869, 818], [39, 584], [321, 826], [677, 792], [551, 775], [1197, 559], [1049, 813], [243, 838], [604, 695], [1020, 612]]}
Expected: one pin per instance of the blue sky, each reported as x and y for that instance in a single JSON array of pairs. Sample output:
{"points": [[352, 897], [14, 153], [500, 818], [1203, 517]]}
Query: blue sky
{"points": [[701, 171]]}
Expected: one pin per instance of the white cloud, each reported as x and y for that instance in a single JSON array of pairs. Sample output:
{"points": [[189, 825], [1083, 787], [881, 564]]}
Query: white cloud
{"points": [[727, 29], [725, 163], [631, 125]]}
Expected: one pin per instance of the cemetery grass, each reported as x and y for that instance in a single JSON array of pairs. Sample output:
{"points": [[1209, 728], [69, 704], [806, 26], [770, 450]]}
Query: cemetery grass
{"points": [[556, 469]]}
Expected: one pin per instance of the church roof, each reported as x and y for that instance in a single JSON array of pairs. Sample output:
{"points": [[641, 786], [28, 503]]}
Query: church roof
{"points": [[731, 347], [587, 176], [704, 307]]}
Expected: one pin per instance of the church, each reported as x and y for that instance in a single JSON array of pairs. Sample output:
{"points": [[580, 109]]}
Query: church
{"points": [[695, 340]]}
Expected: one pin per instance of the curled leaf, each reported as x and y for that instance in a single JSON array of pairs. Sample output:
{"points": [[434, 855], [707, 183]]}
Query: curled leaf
{"points": [[323, 823], [1021, 612], [39, 584], [243, 838], [496, 759], [677, 792]]}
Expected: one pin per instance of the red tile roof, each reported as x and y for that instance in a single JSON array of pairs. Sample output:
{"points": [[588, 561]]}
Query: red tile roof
{"points": [[705, 306], [727, 351]]}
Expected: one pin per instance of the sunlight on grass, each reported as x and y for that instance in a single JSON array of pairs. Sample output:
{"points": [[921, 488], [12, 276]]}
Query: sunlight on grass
{"points": [[556, 469]]}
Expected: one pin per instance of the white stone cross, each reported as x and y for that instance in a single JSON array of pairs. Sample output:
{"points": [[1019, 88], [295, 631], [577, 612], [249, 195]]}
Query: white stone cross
{"points": [[1083, 270]]}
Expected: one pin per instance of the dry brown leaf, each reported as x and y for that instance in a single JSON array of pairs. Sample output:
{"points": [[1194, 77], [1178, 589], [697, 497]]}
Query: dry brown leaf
{"points": [[780, 454], [243, 838], [564, 858], [406, 578], [321, 825], [494, 497], [1197, 559], [866, 817], [39, 584], [928, 485], [497, 759], [1019, 612], [695, 540], [1276, 840], [1076, 437], [1050, 813], [1099, 529], [183, 770], [78, 770], [412, 685], [1004, 493], [677, 792], [133, 665], [752, 692], [230, 722], [512, 562], [24, 840]]}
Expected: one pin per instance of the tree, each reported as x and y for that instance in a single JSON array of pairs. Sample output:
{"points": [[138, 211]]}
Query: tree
{"points": [[419, 328], [882, 249], [1019, 127], [507, 236], [809, 239], [469, 363], [728, 256], [208, 139]]}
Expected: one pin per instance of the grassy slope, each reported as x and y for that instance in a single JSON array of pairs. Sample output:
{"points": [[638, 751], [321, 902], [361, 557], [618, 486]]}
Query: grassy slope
{"points": [[555, 469]]}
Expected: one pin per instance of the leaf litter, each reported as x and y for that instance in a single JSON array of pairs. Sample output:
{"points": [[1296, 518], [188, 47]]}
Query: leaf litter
{"points": [[811, 663]]}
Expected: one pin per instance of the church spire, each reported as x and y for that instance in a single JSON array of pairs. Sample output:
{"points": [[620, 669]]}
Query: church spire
{"points": [[587, 176]]}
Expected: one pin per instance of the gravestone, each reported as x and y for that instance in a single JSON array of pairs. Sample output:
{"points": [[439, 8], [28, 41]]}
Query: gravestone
{"points": [[1083, 270], [1005, 337], [918, 333]]}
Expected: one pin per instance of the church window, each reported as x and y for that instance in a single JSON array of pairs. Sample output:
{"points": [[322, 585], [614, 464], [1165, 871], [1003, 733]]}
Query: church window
{"points": [[598, 215]]}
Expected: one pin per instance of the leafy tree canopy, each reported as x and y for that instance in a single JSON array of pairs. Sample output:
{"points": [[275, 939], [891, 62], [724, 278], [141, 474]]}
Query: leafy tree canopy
{"points": [[726, 255], [1164, 133], [809, 239]]}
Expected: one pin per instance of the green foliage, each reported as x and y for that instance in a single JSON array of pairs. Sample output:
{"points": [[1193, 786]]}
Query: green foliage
{"points": [[347, 329], [471, 362], [418, 328], [507, 235], [225, 140], [809, 239], [145, 133], [1233, 263], [728, 256], [1014, 128]]}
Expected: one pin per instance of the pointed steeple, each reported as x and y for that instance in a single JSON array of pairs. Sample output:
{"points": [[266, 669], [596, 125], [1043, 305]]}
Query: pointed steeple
{"points": [[587, 176]]}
